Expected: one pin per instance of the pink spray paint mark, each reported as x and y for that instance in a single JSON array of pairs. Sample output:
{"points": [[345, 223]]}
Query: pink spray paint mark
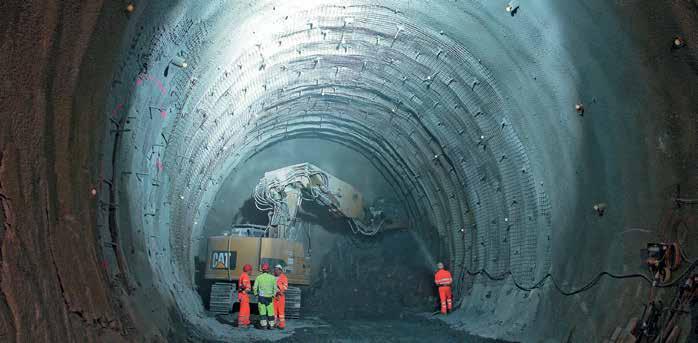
{"points": [[147, 77], [116, 109], [161, 87], [163, 114], [105, 264], [159, 165]]}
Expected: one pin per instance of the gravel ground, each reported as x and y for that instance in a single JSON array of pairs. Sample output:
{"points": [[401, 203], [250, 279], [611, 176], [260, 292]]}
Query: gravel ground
{"points": [[411, 328], [408, 329]]}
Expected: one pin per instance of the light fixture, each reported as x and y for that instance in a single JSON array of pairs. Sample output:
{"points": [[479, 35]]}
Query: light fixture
{"points": [[579, 107], [679, 42], [179, 61]]}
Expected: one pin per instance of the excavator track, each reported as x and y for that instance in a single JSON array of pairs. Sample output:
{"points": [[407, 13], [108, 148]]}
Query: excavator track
{"points": [[293, 302], [222, 298]]}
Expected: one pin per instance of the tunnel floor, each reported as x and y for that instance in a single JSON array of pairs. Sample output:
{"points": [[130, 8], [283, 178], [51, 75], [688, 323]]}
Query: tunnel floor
{"points": [[408, 329], [419, 327]]}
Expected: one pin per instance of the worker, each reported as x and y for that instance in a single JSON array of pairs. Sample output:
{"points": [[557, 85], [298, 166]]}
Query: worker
{"points": [[280, 297], [265, 289], [244, 288], [443, 281]]}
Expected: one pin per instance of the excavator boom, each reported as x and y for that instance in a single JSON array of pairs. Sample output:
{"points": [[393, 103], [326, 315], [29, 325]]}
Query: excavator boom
{"points": [[281, 192]]}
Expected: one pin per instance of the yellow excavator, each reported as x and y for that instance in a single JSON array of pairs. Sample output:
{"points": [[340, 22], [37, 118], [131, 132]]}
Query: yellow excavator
{"points": [[281, 193]]}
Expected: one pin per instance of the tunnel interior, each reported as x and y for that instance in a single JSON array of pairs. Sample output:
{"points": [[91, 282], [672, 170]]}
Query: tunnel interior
{"points": [[497, 130], [416, 103]]}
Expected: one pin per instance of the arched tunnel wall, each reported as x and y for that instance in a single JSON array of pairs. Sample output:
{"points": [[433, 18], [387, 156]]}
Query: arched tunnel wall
{"points": [[467, 111]]}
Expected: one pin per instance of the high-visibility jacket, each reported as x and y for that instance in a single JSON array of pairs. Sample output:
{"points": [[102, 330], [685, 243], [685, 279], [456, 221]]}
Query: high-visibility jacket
{"points": [[443, 278], [244, 284], [282, 283], [265, 285]]}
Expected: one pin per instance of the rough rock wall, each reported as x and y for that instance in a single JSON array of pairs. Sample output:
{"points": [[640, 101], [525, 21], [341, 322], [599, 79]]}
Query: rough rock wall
{"points": [[53, 284], [378, 278]]}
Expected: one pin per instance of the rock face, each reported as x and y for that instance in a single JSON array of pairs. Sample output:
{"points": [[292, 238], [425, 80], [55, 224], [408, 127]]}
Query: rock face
{"points": [[380, 278], [54, 285]]}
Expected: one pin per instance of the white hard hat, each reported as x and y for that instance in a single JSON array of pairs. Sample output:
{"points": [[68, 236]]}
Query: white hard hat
{"points": [[279, 267], [440, 265]]}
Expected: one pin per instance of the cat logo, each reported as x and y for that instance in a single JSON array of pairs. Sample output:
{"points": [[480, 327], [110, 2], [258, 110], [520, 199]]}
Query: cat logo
{"points": [[223, 259]]}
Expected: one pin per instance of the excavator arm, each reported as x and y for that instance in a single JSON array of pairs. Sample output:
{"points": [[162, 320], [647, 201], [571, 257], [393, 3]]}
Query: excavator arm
{"points": [[281, 192]]}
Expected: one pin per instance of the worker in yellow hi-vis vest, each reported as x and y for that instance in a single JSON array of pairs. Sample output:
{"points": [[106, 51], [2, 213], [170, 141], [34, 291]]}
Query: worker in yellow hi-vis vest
{"points": [[265, 289]]}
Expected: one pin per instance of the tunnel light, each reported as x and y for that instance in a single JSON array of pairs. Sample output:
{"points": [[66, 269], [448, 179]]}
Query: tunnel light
{"points": [[130, 7], [679, 42], [179, 61], [600, 209], [511, 8], [93, 192], [579, 108], [181, 197]]}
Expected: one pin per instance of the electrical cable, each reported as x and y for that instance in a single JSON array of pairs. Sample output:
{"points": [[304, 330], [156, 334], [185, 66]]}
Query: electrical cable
{"points": [[593, 282]]}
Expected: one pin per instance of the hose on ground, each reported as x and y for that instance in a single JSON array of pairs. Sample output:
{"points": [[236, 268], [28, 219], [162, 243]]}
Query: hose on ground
{"points": [[593, 282]]}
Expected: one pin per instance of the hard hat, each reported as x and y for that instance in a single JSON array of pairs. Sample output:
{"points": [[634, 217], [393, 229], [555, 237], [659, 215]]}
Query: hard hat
{"points": [[247, 268], [278, 266], [265, 267], [440, 265]]}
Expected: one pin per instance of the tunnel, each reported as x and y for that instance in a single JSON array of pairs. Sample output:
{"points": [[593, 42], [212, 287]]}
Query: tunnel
{"points": [[535, 147]]}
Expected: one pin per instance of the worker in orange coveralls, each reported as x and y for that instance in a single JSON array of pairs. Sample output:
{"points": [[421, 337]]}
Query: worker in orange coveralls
{"points": [[443, 280], [280, 297], [244, 287]]}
